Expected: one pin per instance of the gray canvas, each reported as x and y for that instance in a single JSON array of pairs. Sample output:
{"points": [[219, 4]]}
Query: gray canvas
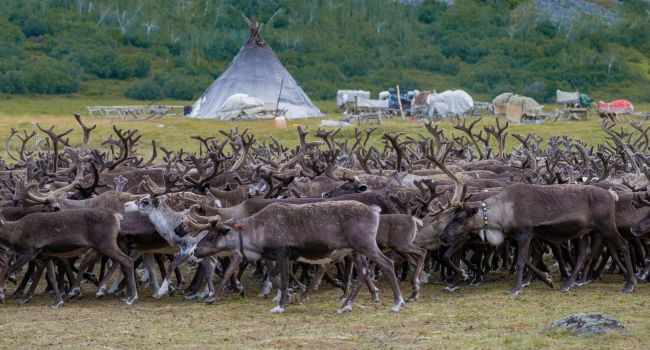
{"points": [[256, 71]]}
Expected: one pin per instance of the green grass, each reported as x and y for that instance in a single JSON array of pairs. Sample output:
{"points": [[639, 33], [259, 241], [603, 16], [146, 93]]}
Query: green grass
{"points": [[481, 317], [23, 112], [474, 318]]}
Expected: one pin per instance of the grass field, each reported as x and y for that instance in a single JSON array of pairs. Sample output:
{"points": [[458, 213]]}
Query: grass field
{"points": [[481, 317], [175, 132]]}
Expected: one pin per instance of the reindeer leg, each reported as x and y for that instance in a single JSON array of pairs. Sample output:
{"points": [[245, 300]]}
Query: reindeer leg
{"points": [[584, 249], [164, 288], [192, 290], [347, 277], [523, 245], [320, 272], [557, 253], [58, 302], [362, 275], [23, 283], [36, 277], [371, 288], [111, 250], [233, 265], [282, 262], [388, 267], [87, 261], [415, 256], [149, 262], [623, 247]]}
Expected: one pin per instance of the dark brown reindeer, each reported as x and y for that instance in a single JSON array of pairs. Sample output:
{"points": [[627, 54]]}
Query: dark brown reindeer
{"points": [[552, 213], [314, 233], [65, 234]]}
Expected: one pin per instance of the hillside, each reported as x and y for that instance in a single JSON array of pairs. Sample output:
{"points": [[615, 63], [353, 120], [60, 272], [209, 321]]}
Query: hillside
{"points": [[154, 49]]}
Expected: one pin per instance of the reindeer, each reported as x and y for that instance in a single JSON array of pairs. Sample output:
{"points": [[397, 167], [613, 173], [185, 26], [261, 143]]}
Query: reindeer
{"points": [[168, 223], [314, 233], [64, 234]]}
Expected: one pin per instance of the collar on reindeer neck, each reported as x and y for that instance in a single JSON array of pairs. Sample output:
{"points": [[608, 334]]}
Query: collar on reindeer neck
{"points": [[485, 220]]}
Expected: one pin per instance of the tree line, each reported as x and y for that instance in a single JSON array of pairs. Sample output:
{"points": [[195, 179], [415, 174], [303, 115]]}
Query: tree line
{"points": [[174, 49]]}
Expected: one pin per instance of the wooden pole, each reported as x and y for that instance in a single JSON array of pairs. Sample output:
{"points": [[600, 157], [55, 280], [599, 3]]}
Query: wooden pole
{"points": [[277, 104], [399, 102]]}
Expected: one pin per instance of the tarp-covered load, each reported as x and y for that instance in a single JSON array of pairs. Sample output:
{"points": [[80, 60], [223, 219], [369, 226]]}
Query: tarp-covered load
{"points": [[566, 97], [456, 102], [431, 103], [514, 106], [242, 106], [617, 106], [345, 96], [372, 104], [257, 72]]}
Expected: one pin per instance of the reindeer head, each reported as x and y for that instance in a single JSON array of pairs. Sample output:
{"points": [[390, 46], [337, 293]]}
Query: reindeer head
{"points": [[213, 242], [144, 205], [353, 185]]}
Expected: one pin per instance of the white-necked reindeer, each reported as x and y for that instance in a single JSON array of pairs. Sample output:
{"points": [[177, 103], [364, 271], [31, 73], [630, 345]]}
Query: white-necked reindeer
{"points": [[169, 224]]}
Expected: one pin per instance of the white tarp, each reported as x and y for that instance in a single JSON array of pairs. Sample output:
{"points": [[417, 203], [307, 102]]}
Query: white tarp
{"points": [[240, 104], [345, 96], [567, 97], [372, 104], [456, 102]]}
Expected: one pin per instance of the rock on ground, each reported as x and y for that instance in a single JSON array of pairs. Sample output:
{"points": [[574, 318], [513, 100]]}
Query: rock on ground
{"points": [[587, 324]]}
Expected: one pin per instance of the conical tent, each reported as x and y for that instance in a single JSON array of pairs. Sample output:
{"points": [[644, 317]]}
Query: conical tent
{"points": [[257, 72]]}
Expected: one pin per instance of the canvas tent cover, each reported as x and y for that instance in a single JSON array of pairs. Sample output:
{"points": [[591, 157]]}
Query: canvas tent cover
{"points": [[456, 102], [345, 96], [567, 97], [514, 106], [372, 104], [257, 72]]}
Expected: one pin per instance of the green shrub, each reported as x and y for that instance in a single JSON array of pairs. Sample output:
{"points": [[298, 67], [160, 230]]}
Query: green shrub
{"points": [[149, 90]]}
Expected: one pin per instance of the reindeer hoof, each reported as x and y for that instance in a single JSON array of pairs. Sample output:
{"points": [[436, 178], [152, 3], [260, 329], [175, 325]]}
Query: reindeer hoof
{"points": [[130, 301], [514, 292], [190, 297], [24, 301], [451, 289], [12, 279], [565, 289], [303, 299], [397, 306], [277, 310], [74, 293], [57, 304], [345, 308], [464, 276], [413, 297], [628, 289]]}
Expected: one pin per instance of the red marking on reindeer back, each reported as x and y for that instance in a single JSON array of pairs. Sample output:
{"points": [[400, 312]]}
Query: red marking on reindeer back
{"points": [[239, 226]]}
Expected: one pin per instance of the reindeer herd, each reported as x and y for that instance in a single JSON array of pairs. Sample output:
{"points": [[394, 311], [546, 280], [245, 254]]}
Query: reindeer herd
{"points": [[344, 211]]}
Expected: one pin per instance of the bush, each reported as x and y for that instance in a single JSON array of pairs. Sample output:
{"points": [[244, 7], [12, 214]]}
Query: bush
{"points": [[184, 88], [146, 90], [42, 75]]}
